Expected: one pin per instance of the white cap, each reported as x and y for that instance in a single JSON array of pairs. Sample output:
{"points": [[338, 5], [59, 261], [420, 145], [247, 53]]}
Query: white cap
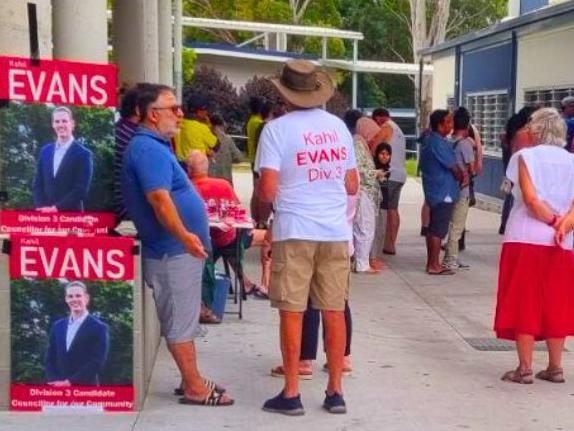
{"points": [[568, 100]]}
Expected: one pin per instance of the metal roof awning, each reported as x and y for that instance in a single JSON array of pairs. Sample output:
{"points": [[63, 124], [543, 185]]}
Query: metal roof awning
{"points": [[280, 55], [360, 66], [261, 27], [363, 66], [223, 50]]}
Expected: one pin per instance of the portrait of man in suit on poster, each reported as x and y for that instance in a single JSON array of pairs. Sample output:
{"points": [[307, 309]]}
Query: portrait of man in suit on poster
{"points": [[79, 343], [64, 168]]}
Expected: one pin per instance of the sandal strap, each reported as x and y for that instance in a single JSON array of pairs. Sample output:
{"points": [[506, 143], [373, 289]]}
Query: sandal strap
{"points": [[213, 399], [209, 384]]}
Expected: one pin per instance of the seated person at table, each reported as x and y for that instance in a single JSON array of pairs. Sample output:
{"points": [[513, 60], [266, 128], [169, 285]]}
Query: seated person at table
{"points": [[224, 241]]}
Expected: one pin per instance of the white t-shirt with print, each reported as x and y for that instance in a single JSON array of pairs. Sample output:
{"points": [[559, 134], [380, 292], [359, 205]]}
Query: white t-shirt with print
{"points": [[312, 151]]}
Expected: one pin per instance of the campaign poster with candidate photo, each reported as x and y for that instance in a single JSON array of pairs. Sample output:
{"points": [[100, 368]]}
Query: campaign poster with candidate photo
{"points": [[56, 142], [71, 323]]}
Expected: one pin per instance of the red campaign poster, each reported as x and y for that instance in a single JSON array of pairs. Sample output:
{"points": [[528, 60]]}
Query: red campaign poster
{"points": [[56, 143], [58, 82], [37, 223], [71, 323]]}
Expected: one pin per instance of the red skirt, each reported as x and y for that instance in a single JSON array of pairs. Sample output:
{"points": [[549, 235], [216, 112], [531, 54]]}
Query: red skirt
{"points": [[535, 292]]}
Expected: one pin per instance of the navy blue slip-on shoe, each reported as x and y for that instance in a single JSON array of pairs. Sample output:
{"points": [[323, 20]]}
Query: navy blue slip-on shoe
{"points": [[334, 403], [288, 406]]}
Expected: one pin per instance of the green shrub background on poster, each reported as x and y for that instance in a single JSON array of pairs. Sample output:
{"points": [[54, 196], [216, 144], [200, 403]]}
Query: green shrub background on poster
{"points": [[25, 128], [37, 304]]}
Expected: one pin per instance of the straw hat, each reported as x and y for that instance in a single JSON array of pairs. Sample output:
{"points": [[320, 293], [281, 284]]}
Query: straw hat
{"points": [[303, 85]]}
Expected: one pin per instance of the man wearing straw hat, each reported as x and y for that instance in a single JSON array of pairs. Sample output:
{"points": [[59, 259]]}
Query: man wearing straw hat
{"points": [[307, 168]]}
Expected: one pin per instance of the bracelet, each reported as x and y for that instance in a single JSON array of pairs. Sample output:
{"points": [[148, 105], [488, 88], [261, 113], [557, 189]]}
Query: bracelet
{"points": [[553, 221]]}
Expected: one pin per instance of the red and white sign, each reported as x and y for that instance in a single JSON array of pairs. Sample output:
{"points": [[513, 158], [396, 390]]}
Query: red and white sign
{"points": [[58, 82], [33, 398], [75, 258], [57, 223]]}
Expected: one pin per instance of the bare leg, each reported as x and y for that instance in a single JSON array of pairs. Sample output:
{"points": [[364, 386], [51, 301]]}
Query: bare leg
{"points": [[524, 346], [185, 357], [392, 230], [433, 253], [335, 339], [555, 348], [290, 330]]}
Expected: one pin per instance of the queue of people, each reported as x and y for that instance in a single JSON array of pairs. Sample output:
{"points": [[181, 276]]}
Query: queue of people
{"points": [[326, 197]]}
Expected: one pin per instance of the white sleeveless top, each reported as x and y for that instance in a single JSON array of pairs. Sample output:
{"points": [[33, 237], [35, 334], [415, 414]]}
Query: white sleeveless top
{"points": [[551, 169]]}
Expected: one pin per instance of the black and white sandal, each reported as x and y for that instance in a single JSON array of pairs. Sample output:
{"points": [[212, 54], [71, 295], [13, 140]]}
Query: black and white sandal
{"points": [[213, 399], [209, 384]]}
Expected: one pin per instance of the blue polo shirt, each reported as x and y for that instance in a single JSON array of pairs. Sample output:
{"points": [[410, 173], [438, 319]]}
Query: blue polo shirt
{"points": [[149, 164], [437, 160]]}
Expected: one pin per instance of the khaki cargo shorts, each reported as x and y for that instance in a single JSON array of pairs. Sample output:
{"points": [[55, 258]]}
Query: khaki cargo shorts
{"points": [[318, 270]]}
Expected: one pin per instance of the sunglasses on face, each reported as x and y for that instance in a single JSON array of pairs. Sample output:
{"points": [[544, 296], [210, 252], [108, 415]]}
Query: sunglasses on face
{"points": [[175, 109]]}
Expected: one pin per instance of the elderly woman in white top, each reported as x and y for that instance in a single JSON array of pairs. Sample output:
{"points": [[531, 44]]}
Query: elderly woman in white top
{"points": [[536, 279], [368, 197]]}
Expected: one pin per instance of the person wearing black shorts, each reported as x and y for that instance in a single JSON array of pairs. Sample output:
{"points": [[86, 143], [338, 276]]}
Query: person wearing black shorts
{"points": [[441, 178]]}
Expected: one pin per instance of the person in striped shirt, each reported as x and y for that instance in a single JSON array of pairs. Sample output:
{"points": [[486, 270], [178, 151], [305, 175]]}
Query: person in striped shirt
{"points": [[124, 130]]}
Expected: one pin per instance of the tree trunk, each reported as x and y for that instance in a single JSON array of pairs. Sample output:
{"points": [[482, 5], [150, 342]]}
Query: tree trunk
{"points": [[419, 41], [421, 38]]}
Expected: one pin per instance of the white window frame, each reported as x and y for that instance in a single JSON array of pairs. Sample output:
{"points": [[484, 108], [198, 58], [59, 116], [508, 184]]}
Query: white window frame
{"points": [[553, 101], [490, 122]]}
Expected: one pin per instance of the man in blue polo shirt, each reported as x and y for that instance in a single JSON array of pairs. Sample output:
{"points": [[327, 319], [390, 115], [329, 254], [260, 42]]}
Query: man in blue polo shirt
{"points": [[441, 176], [172, 224]]}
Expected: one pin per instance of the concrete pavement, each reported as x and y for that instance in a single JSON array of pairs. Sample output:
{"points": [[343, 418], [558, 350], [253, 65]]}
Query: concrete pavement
{"points": [[414, 369]]}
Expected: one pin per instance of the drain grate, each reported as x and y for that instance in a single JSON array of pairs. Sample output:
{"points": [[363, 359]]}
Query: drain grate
{"points": [[496, 345]]}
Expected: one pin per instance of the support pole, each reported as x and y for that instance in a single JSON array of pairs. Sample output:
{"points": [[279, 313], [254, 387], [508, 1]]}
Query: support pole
{"points": [[165, 46], [135, 41], [355, 59], [177, 48], [80, 30]]}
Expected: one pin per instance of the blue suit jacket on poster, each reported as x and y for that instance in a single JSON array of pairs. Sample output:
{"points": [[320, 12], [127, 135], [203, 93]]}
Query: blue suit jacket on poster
{"points": [[68, 190], [82, 364]]}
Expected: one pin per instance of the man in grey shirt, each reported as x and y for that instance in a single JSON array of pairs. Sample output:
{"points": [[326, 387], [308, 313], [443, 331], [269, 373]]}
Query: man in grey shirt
{"points": [[464, 153]]}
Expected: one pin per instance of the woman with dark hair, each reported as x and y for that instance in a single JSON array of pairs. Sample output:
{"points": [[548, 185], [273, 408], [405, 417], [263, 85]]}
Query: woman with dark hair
{"points": [[382, 159], [515, 138]]}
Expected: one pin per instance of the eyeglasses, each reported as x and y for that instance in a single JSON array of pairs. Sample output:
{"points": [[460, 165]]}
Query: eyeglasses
{"points": [[176, 109]]}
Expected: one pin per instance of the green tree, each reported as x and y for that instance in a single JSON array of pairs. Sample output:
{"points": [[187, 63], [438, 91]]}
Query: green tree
{"points": [[313, 13], [395, 30], [221, 95], [188, 58]]}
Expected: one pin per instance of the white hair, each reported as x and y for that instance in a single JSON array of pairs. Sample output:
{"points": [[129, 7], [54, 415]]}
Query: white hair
{"points": [[197, 163], [548, 127]]}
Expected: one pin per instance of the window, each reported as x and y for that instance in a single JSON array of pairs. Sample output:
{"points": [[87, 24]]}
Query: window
{"points": [[547, 97], [450, 103], [527, 6], [489, 112]]}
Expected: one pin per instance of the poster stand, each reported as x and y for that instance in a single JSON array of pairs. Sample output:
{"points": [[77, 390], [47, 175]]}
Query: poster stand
{"points": [[66, 237]]}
